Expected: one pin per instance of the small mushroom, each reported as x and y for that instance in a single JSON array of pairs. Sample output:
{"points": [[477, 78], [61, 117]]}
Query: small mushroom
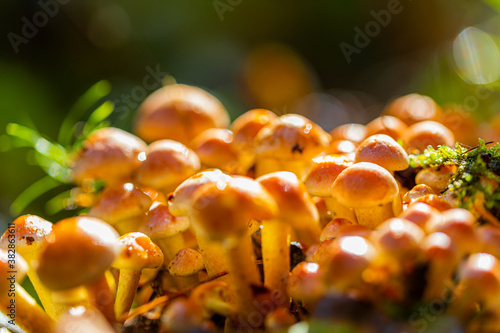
{"points": [[168, 163], [436, 178], [179, 112], [427, 133], [165, 230], [383, 150], [108, 154], [296, 211], [441, 254], [416, 192], [137, 252], [419, 213], [489, 240], [369, 189], [28, 234], [16, 303], [388, 125], [413, 108], [342, 147], [181, 204], [245, 129], [334, 228], [123, 206], [78, 253], [479, 285], [288, 143], [349, 256], [222, 211], [215, 149], [460, 225], [306, 284], [319, 180], [187, 262], [213, 298], [351, 132]]}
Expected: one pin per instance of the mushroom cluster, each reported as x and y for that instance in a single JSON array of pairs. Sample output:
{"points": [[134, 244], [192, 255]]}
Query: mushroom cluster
{"points": [[257, 226]]}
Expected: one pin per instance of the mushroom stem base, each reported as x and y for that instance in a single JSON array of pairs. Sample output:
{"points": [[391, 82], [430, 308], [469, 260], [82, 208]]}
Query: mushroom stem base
{"points": [[127, 286], [340, 211], [373, 216], [102, 296], [276, 254], [213, 256], [243, 273]]}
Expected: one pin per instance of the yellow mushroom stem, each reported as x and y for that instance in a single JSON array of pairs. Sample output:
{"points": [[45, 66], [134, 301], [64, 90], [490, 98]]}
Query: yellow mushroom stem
{"points": [[127, 286], [213, 256], [243, 273], [28, 314], [170, 246], [373, 216], [43, 293], [339, 211], [275, 254], [264, 166], [128, 225]]}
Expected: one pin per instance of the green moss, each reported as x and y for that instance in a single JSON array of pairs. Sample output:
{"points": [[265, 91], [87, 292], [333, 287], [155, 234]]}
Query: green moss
{"points": [[481, 162]]}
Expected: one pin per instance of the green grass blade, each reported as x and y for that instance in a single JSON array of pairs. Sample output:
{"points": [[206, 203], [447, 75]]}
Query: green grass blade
{"points": [[54, 169], [98, 116], [82, 105], [52, 151], [58, 203], [36, 189]]}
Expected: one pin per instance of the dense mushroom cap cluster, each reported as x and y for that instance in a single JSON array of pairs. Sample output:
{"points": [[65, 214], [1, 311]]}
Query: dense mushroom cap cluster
{"points": [[293, 224]]}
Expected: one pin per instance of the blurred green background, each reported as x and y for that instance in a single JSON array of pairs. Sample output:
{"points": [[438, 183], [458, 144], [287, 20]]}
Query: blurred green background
{"points": [[283, 55]]}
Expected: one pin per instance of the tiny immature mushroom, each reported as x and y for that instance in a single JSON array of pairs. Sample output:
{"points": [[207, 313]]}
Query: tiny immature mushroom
{"points": [[369, 189], [222, 211], [137, 252], [29, 235], [123, 206], [319, 180], [436, 178], [108, 154], [416, 192], [78, 253], [15, 301], [165, 230], [296, 211], [213, 298], [186, 263], [168, 163]]}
